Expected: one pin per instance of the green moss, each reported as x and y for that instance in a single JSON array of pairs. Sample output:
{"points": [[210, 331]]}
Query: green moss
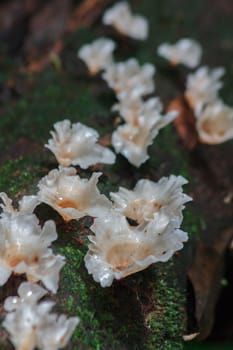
{"points": [[20, 176], [76, 297], [56, 97], [194, 222], [141, 312], [166, 320]]}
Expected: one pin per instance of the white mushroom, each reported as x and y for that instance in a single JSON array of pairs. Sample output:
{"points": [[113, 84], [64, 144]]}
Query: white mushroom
{"points": [[129, 78], [31, 325], [120, 17], [185, 51], [136, 112], [118, 250], [131, 109], [71, 196], [97, 55], [28, 293], [215, 123], [149, 197], [76, 144], [202, 87], [26, 205], [25, 249], [132, 141]]}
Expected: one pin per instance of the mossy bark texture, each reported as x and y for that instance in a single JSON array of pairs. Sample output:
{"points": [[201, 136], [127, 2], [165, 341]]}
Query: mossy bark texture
{"points": [[146, 310]]}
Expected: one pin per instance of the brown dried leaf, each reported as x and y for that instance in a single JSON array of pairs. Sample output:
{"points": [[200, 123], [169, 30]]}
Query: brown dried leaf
{"points": [[184, 122], [205, 275], [86, 13]]}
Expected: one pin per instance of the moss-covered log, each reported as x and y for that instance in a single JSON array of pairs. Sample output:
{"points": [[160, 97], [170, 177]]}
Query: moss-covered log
{"points": [[146, 310]]}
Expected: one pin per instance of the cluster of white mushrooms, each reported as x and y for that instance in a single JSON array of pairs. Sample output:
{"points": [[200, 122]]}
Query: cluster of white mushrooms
{"points": [[131, 83], [214, 119], [25, 249], [134, 228], [32, 325]]}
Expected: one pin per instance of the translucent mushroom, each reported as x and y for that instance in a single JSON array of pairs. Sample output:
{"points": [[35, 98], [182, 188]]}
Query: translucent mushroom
{"points": [[71, 196], [118, 250], [129, 78], [185, 51], [202, 87], [132, 141], [76, 144], [215, 123], [28, 293], [120, 17], [97, 55], [26, 205], [136, 111], [25, 250], [32, 325], [130, 109], [149, 197]]}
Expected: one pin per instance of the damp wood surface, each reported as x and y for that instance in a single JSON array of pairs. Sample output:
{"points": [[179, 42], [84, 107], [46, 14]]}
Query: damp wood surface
{"points": [[154, 308]]}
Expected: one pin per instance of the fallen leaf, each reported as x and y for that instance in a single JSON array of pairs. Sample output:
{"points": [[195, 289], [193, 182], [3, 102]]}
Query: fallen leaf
{"points": [[86, 13], [184, 122], [206, 274]]}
